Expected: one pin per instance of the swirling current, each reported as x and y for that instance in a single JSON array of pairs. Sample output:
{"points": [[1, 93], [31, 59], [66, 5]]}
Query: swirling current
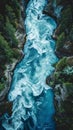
{"points": [[33, 104]]}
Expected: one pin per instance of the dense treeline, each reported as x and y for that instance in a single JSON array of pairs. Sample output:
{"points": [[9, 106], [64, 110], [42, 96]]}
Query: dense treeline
{"points": [[65, 34], [62, 79], [9, 19]]}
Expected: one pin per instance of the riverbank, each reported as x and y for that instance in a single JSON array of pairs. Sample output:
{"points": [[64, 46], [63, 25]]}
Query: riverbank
{"points": [[5, 105], [28, 90], [62, 78]]}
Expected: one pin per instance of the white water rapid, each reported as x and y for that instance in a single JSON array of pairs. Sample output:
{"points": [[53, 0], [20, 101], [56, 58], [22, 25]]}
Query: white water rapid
{"points": [[33, 106]]}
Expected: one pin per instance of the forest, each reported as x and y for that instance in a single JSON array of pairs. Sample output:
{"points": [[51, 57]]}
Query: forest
{"points": [[61, 80], [9, 20]]}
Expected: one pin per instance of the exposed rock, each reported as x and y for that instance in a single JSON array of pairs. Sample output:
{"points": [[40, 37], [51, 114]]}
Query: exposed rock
{"points": [[64, 109], [6, 106], [54, 37], [62, 79], [67, 48], [61, 92], [53, 9], [56, 32], [48, 80], [49, 10], [10, 67]]}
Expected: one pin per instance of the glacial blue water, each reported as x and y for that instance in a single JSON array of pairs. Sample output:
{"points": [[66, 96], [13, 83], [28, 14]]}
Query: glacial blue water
{"points": [[33, 104]]}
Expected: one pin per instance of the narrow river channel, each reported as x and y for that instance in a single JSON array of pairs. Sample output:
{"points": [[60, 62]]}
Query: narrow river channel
{"points": [[33, 103]]}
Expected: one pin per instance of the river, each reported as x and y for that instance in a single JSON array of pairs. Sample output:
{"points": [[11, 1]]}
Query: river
{"points": [[33, 99]]}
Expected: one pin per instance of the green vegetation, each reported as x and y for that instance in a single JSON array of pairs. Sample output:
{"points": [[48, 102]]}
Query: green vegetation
{"points": [[61, 64], [5, 51], [66, 19], [63, 72], [9, 20], [65, 33], [60, 41], [62, 79], [71, 33], [69, 87], [1, 86], [10, 34]]}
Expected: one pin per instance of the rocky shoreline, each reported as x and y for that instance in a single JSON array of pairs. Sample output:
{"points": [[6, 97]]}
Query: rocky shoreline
{"points": [[5, 105], [61, 79]]}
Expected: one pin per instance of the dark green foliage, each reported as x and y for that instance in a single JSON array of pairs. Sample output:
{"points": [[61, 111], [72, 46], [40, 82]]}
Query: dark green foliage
{"points": [[65, 31], [66, 20], [16, 6], [1, 86], [16, 53], [61, 64], [69, 87], [10, 14], [5, 51], [63, 73], [1, 23], [9, 20], [10, 34], [13, 6], [60, 41], [62, 79], [71, 34]]}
